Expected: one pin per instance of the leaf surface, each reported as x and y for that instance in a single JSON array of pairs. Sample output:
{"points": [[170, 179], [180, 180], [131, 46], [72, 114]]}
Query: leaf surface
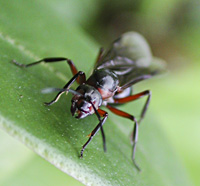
{"points": [[30, 31]]}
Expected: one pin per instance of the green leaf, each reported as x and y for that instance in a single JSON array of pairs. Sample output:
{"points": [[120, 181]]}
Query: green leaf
{"points": [[32, 30], [26, 168], [182, 124]]}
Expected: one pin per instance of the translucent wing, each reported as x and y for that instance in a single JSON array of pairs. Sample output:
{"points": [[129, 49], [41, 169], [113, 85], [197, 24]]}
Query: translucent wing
{"points": [[131, 59]]}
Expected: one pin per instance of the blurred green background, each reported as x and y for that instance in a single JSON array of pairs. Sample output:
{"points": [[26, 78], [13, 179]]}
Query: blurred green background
{"points": [[172, 28]]}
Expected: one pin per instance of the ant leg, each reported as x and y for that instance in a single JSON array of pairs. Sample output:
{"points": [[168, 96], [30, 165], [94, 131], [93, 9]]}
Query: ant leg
{"points": [[102, 113], [52, 60], [104, 139], [101, 50], [135, 130], [96, 129], [80, 74], [135, 97]]}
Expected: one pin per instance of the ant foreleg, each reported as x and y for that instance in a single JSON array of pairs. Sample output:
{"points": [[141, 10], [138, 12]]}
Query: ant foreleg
{"points": [[80, 74], [52, 60], [96, 129]]}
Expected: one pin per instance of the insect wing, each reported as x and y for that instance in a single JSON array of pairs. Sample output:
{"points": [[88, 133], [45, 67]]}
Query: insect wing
{"points": [[130, 45], [136, 75], [131, 59]]}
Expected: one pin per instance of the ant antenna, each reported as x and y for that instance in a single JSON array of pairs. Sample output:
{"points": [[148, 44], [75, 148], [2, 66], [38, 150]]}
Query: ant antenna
{"points": [[52, 89]]}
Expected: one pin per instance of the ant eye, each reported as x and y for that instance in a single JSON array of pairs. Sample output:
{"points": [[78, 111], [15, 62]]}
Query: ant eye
{"points": [[74, 100], [88, 98]]}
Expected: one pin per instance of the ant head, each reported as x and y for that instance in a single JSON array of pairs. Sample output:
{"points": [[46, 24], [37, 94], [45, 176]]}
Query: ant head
{"points": [[83, 103], [80, 108]]}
